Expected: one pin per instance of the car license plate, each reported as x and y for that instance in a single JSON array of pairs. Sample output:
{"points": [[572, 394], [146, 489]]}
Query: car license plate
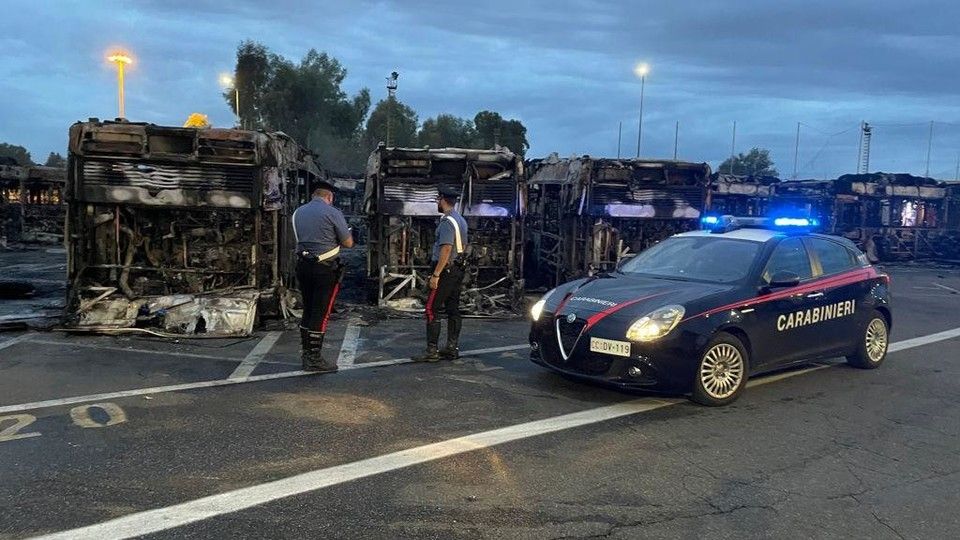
{"points": [[609, 346]]}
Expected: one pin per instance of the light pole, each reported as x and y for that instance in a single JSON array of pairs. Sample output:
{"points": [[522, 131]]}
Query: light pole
{"points": [[391, 97], [641, 71], [227, 82], [121, 59]]}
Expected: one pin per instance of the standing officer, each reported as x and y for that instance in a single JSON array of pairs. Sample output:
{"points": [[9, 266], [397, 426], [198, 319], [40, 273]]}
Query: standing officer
{"points": [[320, 231], [449, 265]]}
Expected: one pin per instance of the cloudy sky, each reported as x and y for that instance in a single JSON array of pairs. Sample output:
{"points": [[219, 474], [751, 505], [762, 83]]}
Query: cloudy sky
{"points": [[563, 67]]}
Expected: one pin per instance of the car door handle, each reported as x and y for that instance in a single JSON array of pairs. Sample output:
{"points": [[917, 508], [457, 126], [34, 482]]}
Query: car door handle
{"points": [[815, 295]]}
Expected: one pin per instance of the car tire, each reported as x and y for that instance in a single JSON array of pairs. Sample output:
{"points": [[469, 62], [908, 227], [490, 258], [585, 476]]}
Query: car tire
{"points": [[873, 343], [722, 371]]}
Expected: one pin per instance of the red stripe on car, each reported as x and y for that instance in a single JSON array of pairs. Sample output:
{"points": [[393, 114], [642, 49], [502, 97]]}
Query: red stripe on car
{"points": [[846, 278]]}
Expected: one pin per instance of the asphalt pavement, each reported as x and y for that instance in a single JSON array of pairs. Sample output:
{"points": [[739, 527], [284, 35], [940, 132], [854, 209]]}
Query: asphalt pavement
{"points": [[106, 437]]}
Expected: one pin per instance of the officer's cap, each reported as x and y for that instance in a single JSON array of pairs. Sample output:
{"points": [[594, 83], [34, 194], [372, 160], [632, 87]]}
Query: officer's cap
{"points": [[322, 183], [448, 192]]}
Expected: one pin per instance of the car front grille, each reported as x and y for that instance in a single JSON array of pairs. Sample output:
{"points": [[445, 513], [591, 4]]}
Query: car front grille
{"points": [[568, 334]]}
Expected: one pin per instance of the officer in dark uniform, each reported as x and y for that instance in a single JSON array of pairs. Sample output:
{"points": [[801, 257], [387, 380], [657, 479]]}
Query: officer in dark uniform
{"points": [[320, 230], [449, 265]]}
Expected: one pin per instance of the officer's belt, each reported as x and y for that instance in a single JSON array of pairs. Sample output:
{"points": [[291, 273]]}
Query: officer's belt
{"points": [[326, 255]]}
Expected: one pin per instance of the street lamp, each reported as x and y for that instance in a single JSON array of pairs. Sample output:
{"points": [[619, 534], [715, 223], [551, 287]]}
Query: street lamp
{"points": [[227, 82], [391, 97], [641, 70], [121, 59]]}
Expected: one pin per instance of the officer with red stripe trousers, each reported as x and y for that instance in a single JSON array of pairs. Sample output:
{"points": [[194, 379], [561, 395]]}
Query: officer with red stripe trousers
{"points": [[449, 265], [320, 231]]}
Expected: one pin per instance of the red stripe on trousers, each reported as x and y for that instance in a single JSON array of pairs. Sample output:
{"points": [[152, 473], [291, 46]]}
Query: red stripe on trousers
{"points": [[326, 317], [429, 306]]}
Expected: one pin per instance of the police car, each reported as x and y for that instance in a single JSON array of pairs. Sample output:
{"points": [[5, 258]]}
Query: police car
{"points": [[702, 311]]}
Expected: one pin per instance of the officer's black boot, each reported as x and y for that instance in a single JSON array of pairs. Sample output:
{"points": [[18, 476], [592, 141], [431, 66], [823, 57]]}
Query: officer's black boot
{"points": [[452, 350], [304, 347], [315, 361], [433, 337]]}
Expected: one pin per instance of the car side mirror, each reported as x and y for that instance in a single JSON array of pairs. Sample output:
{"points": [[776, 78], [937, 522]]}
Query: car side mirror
{"points": [[784, 279]]}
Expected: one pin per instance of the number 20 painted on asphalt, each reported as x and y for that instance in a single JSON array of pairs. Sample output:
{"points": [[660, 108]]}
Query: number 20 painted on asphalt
{"points": [[80, 415]]}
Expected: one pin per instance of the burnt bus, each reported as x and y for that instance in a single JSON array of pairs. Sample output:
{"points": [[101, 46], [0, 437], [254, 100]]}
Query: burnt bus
{"points": [[31, 203], [180, 230], [401, 208], [587, 214]]}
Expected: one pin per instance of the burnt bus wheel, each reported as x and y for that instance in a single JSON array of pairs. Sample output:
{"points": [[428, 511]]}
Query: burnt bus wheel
{"points": [[872, 344], [722, 372]]}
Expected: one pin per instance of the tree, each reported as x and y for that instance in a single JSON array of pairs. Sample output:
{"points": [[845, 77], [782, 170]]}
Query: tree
{"points": [[493, 130], [56, 160], [303, 100], [403, 125], [447, 130], [251, 80], [17, 153], [756, 162]]}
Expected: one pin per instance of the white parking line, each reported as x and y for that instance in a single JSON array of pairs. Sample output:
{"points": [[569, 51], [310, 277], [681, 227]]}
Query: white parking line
{"points": [[14, 341], [71, 345], [219, 382], [923, 340], [254, 357], [951, 289], [351, 340], [161, 519]]}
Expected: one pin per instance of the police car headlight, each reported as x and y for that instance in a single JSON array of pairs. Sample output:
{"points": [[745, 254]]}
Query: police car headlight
{"points": [[656, 324], [537, 308]]}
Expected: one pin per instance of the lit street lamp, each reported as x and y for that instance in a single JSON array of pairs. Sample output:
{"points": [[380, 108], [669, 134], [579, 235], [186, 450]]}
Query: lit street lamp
{"points": [[641, 71], [226, 81], [121, 59]]}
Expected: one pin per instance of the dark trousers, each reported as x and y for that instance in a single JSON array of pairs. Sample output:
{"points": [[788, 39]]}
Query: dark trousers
{"points": [[319, 284], [445, 299]]}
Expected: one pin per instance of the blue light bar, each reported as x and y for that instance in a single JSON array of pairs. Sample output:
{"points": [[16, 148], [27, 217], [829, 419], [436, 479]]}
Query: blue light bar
{"points": [[795, 222], [727, 223]]}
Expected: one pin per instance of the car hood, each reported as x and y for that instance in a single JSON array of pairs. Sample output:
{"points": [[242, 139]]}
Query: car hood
{"points": [[626, 295]]}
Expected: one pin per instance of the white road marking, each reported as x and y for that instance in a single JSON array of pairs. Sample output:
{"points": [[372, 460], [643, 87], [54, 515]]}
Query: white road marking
{"points": [[951, 289], [215, 383], [161, 519], [351, 340], [254, 357], [923, 340], [14, 341], [71, 345]]}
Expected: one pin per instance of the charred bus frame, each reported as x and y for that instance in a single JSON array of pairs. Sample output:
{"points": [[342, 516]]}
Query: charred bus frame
{"points": [[586, 214], [31, 203], [401, 204], [180, 229]]}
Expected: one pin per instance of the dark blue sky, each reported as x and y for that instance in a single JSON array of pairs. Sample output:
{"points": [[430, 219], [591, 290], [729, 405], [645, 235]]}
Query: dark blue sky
{"points": [[563, 67]]}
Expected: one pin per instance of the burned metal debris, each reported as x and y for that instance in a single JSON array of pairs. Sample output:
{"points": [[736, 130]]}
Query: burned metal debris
{"points": [[740, 195], [401, 193], [179, 229], [31, 204], [893, 216], [586, 214]]}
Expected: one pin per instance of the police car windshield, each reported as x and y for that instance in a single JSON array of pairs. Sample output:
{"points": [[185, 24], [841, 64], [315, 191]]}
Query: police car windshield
{"points": [[696, 258]]}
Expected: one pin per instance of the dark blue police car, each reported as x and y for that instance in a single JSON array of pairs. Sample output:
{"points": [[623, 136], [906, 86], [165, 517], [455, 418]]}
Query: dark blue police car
{"points": [[702, 311]]}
